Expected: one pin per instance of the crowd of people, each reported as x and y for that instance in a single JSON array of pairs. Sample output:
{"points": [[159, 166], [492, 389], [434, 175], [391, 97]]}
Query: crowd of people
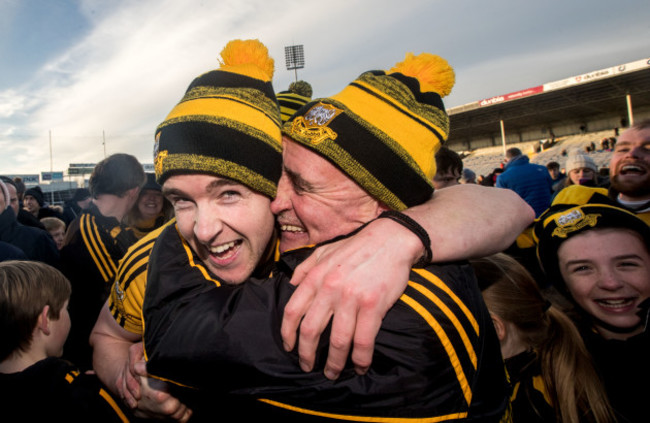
{"points": [[321, 260]]}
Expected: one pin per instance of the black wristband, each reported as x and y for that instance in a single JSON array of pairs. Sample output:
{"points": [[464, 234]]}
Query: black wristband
{"points": [[414, 227]]}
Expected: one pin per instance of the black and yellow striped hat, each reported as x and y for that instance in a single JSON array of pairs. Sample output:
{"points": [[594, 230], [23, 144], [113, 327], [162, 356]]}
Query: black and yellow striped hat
{"points": [[227, 124], [384, 129], [290, 101], [577, 209]]}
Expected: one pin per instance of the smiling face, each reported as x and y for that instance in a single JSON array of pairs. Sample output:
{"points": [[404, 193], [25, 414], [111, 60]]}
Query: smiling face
{"points": [[630, 165], [316, 201], [150, 203], [227, 224], [607, 272]]}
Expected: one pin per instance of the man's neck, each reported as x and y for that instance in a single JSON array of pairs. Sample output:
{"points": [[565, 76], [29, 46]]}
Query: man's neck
{"points": [[112, 206], [632, 201]]}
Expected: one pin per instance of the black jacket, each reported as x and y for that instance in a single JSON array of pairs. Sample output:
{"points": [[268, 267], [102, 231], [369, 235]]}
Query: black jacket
{"points": [[36, 243], [54, 390], [436, 355]]}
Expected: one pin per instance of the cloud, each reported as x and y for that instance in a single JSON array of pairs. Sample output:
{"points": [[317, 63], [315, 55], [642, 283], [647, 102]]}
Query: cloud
{"points": [[132, 61]]}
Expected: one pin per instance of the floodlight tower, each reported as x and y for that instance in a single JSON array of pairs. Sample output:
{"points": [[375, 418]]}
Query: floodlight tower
{"points": [[295, 58]]}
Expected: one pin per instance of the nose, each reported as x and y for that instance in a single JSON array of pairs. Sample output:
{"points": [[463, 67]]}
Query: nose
{"points": [[282, 200], [609, 280], [207, 223]]}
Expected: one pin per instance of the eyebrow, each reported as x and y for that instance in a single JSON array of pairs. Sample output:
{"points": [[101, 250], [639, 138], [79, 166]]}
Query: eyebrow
{"points": [[298, 181], [621, 257], [211, 187]]}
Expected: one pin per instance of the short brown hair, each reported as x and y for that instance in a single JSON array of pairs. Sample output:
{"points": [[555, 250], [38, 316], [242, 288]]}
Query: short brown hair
{"points": [[52, 223], [25, 288], [116, 174]]}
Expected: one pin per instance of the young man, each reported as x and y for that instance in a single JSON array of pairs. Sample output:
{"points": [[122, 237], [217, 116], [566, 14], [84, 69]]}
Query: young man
{"points": [[94, 244], [35, 384], [436, 354]]}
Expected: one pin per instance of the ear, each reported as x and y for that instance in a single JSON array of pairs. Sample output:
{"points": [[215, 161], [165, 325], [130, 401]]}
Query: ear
{"points": [[499, 326], [44, 320]]}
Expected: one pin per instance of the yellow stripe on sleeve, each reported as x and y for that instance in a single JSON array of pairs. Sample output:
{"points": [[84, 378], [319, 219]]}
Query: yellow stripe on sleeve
{"points": [[454, 320], [446, 343], [440, 284]]}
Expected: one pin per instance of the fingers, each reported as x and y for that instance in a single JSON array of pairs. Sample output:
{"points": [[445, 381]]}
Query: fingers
{"points": [[136, 354], [368, 325], [343, 326]]}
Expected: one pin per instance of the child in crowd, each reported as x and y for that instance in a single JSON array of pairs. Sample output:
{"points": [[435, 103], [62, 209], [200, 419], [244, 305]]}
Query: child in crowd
{"points": [[551, 373], [36, 385], [56, 228], [598, 256]]}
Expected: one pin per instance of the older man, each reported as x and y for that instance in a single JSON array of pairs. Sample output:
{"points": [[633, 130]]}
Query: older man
{"points": [[361, 155]]}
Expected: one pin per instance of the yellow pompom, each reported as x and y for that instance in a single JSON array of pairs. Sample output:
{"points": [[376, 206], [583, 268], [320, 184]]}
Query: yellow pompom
{"points": [[433, 72], [247, 57]]}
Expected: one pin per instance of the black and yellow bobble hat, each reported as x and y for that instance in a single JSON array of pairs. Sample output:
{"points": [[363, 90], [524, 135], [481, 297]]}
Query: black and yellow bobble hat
{"points": [[577, 209], [290, 101], [227, 124], [384, 129]]}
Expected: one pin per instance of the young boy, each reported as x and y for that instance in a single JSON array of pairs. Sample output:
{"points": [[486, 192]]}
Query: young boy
{"points": [[56, 228], [35, 384]]}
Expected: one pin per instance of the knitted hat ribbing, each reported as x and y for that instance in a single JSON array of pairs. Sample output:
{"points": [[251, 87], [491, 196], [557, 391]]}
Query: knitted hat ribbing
{"points": [[227, 124], [578, 160], [383, 129]]}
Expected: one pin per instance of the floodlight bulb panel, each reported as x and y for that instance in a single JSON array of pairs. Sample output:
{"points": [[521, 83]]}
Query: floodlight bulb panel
{"points": [[294, 57]]}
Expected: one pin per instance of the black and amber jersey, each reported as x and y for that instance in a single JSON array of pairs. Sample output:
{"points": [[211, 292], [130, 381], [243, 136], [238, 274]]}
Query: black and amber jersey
{"points": [[127, 293], [93, 248], [530, 400], [436, 356], [55, 390]]}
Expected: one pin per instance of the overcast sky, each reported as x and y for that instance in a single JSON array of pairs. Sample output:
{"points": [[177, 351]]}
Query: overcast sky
{"points": [[93, 70]]}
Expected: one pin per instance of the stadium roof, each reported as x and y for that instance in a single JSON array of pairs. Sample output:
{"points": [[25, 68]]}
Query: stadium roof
{"points": [[575, 99]]}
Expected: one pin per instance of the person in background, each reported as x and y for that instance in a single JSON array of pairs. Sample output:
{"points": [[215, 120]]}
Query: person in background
{"points": [[151, 210], [94, 244], [34, 203], [449, 167], [551, 373], [75, 205], [35, 384], [597, 255], [298, 94], [581, 169], [56, 227], [468, 177], [530, 181], [36, 243], [20, 189], [556, 176]]}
